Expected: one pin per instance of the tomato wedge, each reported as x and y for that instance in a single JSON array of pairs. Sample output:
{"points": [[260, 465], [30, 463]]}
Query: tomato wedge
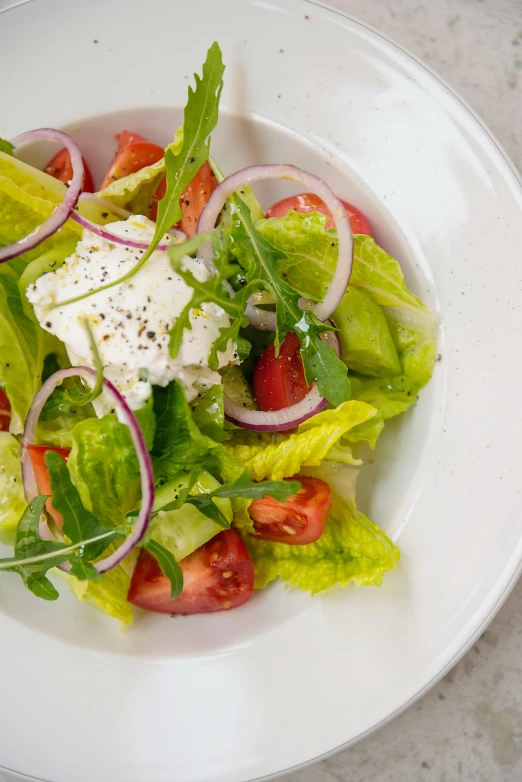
{"points": [[5, 411], [193, 200], [133, 153], [309, 202], [216, 577], [280, 382], [37, 456], [60, 167], [299, 520]]}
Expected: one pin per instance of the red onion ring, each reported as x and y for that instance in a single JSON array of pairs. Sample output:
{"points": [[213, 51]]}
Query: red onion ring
{"points": [[246, 176], [62, 212], [288, 417], [125, 416], [101, 230], [277, 420]]}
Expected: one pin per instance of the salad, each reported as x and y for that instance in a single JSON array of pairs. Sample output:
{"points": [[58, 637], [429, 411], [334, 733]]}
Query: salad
{"points": [[189, 383]]}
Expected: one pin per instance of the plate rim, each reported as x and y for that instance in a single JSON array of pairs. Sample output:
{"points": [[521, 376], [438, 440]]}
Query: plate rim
{"points": [[516, 568]]}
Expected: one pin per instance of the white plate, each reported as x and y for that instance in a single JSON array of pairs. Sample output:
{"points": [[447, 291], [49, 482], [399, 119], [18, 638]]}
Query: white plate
{"points": [[287, 679]]}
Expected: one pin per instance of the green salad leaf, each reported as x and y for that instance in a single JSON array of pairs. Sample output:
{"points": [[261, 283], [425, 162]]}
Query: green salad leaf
{"points": [[104, 468], [78, 523], [306, 448], [168, 565], [199, 120], [108, 593], [178, 446], [243, 488], [23, 345], [6, 147], [34, 557], [27, 198], [12, 502]]}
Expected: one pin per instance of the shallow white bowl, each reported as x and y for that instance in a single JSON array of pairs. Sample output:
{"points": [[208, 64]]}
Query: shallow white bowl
{"points": [[286, 679]]}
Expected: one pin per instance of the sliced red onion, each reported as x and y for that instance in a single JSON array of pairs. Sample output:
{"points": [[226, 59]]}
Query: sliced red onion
{"points": [[125, 416], [277, 420], [288, 417], [62, 212], [343, 269], [106, 233]]}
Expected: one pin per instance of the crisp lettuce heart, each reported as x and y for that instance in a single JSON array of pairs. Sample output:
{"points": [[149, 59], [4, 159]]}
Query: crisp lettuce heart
{"points": [[108, 593], [104, 468], [305, 448], [12, 502]]}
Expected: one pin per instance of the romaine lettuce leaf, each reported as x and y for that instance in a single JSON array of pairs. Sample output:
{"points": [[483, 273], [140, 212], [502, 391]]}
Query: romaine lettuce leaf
{"points": [[108, 487], [306, 448], [108, 593], [27, 198], [12, 502], [23, 345], [351, 549]]}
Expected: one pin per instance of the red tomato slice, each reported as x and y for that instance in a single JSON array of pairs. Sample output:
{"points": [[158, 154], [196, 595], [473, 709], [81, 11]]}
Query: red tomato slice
{"points": [[60, 167], [309, 202], [217, 576], [37, 455], [280, 382], [133, 153], [5, 411], [193, 200], [299, 520]]}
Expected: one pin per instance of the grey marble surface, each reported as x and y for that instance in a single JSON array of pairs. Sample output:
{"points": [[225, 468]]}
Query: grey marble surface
{"points": [[469, 727]]}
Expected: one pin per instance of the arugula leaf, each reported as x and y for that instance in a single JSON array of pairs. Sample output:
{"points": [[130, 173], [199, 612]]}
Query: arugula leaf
{"points": [[178, 444], [199, 120], [168, 565], [34, 557], [259, 259], [6, 147], [78, 523], [212, 290], [245, 488], [83, 570]]}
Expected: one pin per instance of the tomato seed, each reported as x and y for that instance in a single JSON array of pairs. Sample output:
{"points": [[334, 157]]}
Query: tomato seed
{"points": [[286, 528], [227, 574]]}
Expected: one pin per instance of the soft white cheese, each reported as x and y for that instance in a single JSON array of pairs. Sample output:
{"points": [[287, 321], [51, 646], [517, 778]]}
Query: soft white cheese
{"points": [[131, 321]]}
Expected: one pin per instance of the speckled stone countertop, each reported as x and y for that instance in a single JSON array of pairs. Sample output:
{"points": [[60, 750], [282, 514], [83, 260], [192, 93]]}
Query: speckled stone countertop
{"points": [[469, 727]]}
